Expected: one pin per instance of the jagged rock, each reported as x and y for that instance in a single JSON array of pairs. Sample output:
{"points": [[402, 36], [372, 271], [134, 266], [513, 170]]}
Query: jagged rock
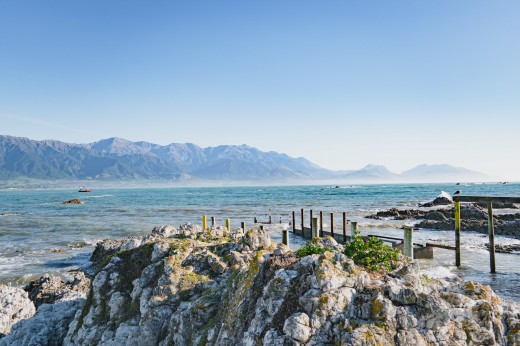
{"points": [[15, 306], [505, 248], [443, 198], [72, 201], [218, 231], [105, 249], [256, 239], [49, 289], [48, 326], [328, 243], [165, 231], [189, 229], [397, 214], [297, 327], [185, 291]]}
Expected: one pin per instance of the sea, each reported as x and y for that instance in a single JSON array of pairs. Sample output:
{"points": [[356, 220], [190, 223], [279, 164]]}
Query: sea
{"points": [[39, 234]]}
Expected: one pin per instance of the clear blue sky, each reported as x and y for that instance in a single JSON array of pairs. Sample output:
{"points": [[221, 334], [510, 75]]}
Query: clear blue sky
{"points": [[342, 83]]}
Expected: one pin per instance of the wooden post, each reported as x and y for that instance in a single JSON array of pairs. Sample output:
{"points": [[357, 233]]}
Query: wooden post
{"points": [[270, 219], [261, 227], [303, 225], [314, 228], [285, 237], [353, 229], [408, 242], [204, 222], [294, 221], [332, 224], [344, 227], [321, 224], [457, 233], [310, 221], [243, 226], [228, 224], [213, 221], [491, 229]]}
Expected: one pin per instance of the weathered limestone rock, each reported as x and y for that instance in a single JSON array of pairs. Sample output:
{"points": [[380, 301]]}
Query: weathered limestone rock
{"points": [[183, 291], [190, 229], [15, 306], [256, 239], [297, 327], [48, 289], [48, 326], [165, 231]]}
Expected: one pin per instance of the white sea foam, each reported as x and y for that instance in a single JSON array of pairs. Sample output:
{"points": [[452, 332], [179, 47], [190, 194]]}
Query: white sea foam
{"points": [[438, 272], [99, 196]]}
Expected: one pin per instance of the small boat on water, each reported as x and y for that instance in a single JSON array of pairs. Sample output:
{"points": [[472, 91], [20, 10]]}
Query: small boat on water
{"points": [[84, 189]]}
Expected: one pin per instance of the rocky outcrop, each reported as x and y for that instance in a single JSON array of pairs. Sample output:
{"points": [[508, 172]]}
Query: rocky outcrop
{"points": [[48, 326], [72, 201], [49, 289], [15, 306], [473, 218], [506, 248], [242, 289], [443, 198], [398, 214]]}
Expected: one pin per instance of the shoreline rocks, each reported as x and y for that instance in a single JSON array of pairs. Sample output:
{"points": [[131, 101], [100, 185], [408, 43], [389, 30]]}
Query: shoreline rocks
{"points": [[50, 289], [224, 287], [473, 218]]}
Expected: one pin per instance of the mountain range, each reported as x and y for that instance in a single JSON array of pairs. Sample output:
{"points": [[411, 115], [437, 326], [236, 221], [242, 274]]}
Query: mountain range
{"points": [[119, 159]]}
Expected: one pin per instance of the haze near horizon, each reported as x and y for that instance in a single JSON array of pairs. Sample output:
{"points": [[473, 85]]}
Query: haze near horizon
{"points": [[340, 83]]}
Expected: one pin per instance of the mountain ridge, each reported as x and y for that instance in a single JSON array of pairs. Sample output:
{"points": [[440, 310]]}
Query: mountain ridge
{"points": [[120, 159]]}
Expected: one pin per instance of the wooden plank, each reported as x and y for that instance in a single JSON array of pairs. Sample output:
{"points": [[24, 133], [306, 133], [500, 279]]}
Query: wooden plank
{"points": [[486, 199], [294, 221], [446, 247], [385, 237], [491, 230]]}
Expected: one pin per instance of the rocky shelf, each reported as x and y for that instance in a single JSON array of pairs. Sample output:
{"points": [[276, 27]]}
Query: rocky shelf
{"points": [[474, 217], [187, 286]]}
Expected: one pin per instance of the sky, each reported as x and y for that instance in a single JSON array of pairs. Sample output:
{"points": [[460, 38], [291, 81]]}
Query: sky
{"points": [[341, 83]]}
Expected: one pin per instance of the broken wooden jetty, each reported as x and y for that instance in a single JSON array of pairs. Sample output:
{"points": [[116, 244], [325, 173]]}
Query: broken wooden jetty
{"points": [[419, 251]]}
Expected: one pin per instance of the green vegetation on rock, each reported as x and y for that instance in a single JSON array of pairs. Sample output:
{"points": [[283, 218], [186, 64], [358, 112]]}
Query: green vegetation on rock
{"points": [[311, 249], [371, 253]]}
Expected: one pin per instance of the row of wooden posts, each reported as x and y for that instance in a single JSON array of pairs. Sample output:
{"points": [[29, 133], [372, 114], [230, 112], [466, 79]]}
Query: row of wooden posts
{"points": [[315, 232], [408, 231], [320, 234], [285, 233]]}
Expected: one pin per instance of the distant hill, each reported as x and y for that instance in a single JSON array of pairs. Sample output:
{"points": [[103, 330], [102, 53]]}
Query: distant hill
{"points": [[372, 172], [432, 173], [119, 159]]}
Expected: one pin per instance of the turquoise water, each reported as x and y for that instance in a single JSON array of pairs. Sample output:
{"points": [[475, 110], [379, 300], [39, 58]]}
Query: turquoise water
{"points": [[40, 234]]}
